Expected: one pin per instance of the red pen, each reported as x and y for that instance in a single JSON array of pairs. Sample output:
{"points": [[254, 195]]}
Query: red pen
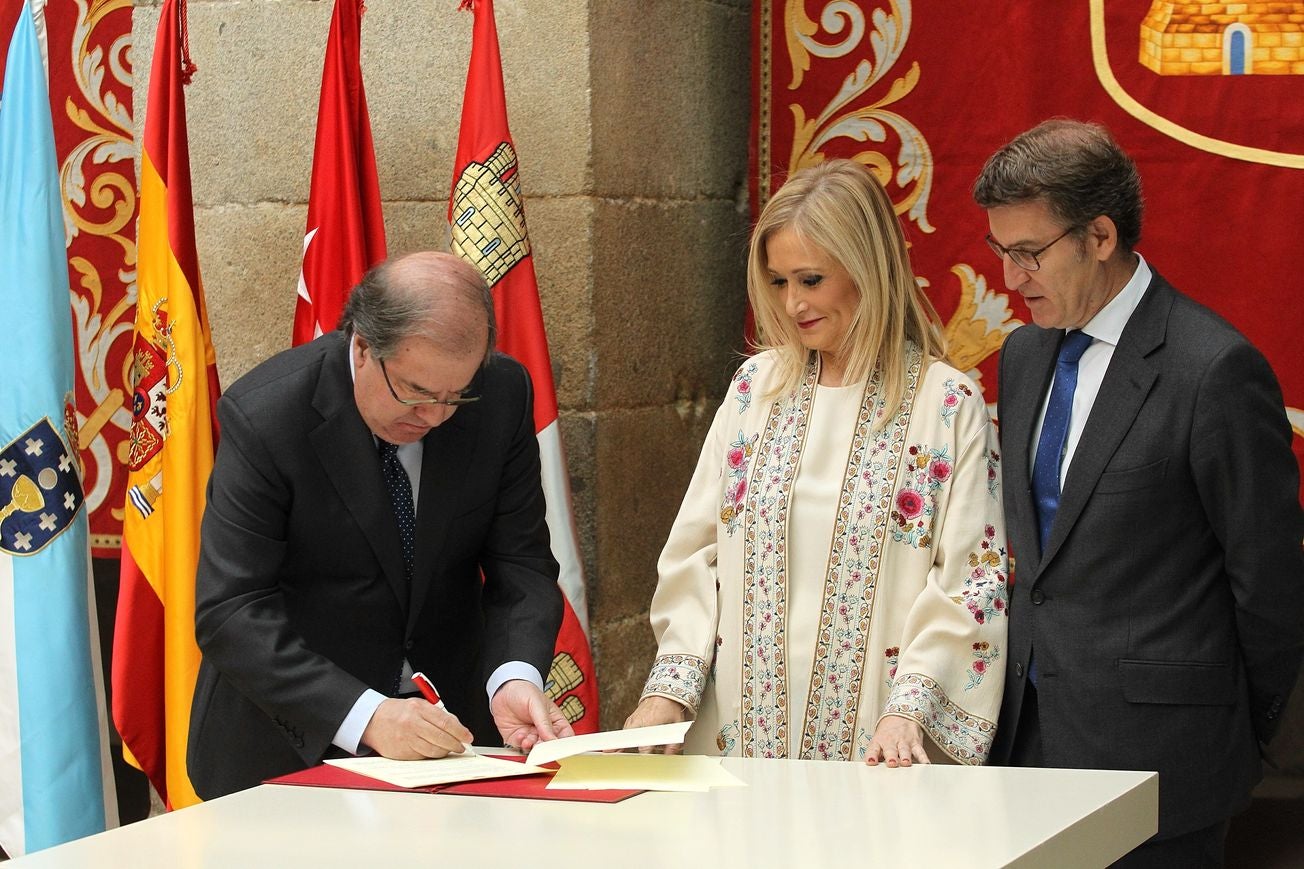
{"points": [[427, 689]]}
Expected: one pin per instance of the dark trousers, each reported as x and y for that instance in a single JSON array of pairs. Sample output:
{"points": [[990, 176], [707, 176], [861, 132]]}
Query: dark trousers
{"points": [[1200, 849]]}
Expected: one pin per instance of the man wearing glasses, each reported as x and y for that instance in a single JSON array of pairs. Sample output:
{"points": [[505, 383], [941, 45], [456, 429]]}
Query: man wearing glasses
{"points": [[375, 509], [1152, 501]]}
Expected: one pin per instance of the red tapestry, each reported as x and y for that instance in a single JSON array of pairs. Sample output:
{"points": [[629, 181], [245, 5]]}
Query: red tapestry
{"points": [[88, 48], [924, 93]]}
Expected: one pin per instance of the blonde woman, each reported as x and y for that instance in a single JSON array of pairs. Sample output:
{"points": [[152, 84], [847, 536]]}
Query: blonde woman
{"points": [[834, 586]]}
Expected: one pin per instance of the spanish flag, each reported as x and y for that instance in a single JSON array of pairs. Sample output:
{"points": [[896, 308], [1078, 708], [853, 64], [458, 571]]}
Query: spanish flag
{"points": [[173, 434], [488, 227]]}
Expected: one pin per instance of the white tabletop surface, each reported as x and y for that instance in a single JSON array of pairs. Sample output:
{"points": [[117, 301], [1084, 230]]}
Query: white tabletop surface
{"points": [[792, 813]]}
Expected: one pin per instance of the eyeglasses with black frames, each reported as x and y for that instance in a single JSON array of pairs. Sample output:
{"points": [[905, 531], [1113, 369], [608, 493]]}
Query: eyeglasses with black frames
{"points": [[1022, 257], [418, 402]]}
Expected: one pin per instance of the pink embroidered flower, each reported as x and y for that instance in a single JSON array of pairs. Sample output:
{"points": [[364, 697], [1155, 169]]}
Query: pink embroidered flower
{"points": [[744, 386], [989, 531], [940, 470], [909, 503], [980, 667], [735, 457], [998, 604], [951, 399]]}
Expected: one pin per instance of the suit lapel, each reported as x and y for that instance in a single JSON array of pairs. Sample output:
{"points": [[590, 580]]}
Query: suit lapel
{"points": [[1127, 382], [348, 455], [447, 452], [1029, 374]]}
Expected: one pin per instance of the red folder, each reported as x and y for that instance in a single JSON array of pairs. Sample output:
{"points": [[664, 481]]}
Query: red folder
{"points": [[526, 787]]}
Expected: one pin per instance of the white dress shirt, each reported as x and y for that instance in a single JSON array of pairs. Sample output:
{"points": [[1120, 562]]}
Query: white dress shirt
{"points": [[1105, 329], [349, 735]]}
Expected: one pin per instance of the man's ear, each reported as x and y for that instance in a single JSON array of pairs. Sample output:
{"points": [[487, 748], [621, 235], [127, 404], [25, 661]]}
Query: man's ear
{"points": [[1102, 235], [360, 346]]}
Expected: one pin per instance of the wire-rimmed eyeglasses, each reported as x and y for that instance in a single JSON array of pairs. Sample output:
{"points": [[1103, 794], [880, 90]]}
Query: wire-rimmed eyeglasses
{"points": [[417, 402]]}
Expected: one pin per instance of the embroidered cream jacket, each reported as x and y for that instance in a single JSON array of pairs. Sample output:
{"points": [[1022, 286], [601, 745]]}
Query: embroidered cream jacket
{"points": [[906, 594]]}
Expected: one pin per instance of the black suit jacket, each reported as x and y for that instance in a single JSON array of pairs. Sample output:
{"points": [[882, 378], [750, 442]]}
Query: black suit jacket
{"points": [[301, 600], [1167, 612]]}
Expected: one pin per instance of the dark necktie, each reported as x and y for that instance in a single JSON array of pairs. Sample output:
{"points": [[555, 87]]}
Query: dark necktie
{"points": [[1054, 432], [400, 496]]}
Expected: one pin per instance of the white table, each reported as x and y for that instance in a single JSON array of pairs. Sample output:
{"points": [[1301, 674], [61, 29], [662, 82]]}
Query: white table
{"points": [[792, 814]]}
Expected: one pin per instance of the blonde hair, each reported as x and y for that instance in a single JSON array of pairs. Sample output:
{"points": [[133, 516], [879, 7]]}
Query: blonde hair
{"points": [[841, 207]]}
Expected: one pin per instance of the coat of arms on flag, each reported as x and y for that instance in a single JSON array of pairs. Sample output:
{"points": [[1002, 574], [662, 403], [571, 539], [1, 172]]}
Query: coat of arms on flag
{"points": [[39, 489], [488, 221]]}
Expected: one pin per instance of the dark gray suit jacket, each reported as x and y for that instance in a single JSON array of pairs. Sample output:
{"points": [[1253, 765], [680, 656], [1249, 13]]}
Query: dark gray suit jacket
{"points": [[301, 600], [1167, 612]]}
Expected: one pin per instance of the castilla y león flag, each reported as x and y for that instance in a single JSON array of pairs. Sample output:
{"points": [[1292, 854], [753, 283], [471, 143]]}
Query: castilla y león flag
{"points": [[346, 230], [173, 435], [488, 223]]}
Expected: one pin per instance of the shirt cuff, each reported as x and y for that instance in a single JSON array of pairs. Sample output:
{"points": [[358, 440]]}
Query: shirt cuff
{"points": [[513, 670], [349, 736]]}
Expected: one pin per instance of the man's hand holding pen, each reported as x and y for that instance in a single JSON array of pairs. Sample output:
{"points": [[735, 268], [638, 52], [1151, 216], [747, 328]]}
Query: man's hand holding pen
{"points": [[413, 729]]}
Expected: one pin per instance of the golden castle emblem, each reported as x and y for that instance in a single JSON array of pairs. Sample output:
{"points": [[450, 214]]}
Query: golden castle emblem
{"points": [[1223, 38], [488, 220]]}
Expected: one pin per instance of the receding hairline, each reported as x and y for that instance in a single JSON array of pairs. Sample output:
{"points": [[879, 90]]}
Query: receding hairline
{"points": [[448, 291]]}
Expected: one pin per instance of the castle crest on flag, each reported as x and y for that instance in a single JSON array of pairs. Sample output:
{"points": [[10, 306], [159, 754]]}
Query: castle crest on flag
{"points": [[40, 491], [489, 221], [1242, 38], [1216, 77]]}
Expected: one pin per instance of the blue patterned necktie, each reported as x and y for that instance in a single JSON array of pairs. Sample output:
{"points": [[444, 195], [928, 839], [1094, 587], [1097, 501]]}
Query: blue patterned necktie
{"points": [[1054, 432], [400, 496]]}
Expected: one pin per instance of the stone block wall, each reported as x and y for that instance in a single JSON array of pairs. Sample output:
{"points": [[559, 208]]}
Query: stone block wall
{"points": [[630, 119]]}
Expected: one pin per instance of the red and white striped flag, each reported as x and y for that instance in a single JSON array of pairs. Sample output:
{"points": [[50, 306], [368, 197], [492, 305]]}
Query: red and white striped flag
{"points": [[488, 223], [346, 230]]}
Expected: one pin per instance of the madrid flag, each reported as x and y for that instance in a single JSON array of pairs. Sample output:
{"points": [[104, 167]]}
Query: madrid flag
{"points": [[173, 434], [488, 223], [55, 780], [346, 231]]}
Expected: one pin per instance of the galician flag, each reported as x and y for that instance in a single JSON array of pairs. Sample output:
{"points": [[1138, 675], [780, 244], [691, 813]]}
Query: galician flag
{"points": [[173, 434], [56, 782], [346, 230], [488, 223]]}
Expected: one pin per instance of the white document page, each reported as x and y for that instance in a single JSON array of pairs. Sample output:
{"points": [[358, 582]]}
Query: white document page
{"points": [[661, 734], [445, 770]]}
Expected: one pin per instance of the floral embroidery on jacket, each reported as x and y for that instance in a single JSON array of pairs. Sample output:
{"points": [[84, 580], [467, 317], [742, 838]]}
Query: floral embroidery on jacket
{"points": [[916, 501], [951, 399], [964, 736], [851, 578], [763, 727], [735, 492], [994, 474], [682, 677], [983, 655], [727, 738], [892, 655], [743, 386], [986, 587]]}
